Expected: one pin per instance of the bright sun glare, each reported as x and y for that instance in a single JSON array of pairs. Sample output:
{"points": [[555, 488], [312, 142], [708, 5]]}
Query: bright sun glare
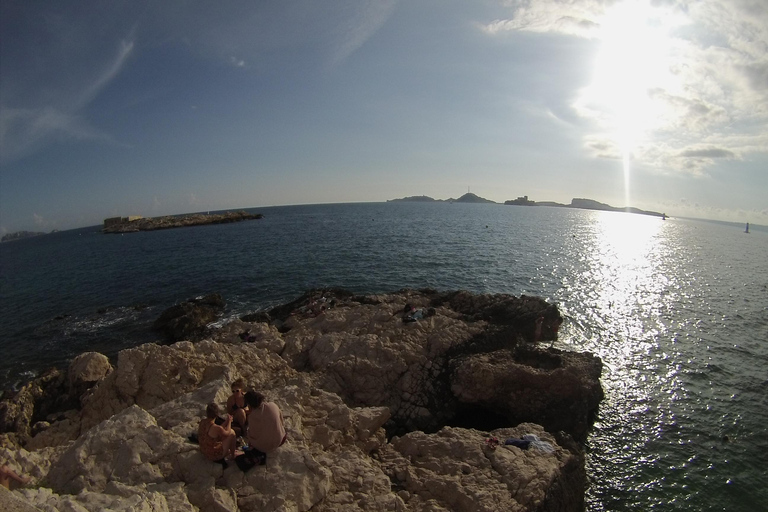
{"points": [[634, 59]]}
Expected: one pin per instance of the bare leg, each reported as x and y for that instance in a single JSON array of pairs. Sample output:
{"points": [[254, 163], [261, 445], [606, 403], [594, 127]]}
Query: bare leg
{"points": [[7, 474], [230, 444], [238, 420]]}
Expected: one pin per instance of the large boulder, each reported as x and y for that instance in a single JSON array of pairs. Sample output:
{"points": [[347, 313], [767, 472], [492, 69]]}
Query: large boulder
{"points": [[456, 469], [188, 320], [429, 372], [370, 357], [531, 319], [129, 449], [86, 370], [559, 390]]}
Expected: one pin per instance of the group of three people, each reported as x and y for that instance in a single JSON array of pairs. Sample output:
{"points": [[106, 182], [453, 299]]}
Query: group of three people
{"points": [[249, 415]]}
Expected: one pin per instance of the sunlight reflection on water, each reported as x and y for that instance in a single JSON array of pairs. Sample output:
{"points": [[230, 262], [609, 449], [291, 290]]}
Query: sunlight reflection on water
{"points": [[622, 278], [659, 303]]}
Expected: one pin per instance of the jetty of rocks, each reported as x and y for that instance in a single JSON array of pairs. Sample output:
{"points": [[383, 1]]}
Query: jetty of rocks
{"points": [[381, 414]]}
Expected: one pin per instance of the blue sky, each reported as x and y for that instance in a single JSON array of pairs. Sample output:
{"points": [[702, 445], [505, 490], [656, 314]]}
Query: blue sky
{"points": [[154, 108]]}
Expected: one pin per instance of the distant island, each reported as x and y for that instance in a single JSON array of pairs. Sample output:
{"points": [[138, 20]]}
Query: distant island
{"points": [[466, 198], [583, 204], [135, 223], [577, 202], [19, 235]]}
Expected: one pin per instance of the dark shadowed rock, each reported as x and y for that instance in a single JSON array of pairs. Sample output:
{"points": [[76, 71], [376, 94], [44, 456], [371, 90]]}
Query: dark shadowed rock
{"points": [[35, 401], [518, 314], [305, 303], [188, 320], [561, 390]]}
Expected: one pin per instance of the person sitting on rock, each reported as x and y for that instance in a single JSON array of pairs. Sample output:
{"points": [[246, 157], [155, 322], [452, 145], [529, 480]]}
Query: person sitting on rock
{"points": [[237, 407], [7, 474], [266, 429], [217, 442]]}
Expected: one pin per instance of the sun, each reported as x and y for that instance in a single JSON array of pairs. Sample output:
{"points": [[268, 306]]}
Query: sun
{"points": [[633, 64], [634, 60]]}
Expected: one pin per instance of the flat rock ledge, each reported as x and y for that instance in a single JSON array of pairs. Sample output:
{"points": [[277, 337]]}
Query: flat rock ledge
{"points": [[381, 414]]}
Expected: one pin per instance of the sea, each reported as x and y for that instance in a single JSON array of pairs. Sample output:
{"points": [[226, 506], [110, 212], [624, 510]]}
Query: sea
{"points": [[677, 309]]}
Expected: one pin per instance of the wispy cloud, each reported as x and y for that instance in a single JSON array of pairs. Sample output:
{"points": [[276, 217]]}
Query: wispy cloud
{"points": [[26, 129], [357, 28], [107, 75]]}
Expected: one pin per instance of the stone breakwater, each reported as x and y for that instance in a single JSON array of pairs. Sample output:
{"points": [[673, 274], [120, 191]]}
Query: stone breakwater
{"points": [[171, 221], [381, 414]]}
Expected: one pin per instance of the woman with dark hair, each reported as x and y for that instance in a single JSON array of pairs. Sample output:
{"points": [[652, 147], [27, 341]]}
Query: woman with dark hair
{"points": [[216, 441], [266, 429]]}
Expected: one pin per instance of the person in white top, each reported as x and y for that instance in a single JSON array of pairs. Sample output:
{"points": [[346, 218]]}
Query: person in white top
{"points": [[266, 429]]}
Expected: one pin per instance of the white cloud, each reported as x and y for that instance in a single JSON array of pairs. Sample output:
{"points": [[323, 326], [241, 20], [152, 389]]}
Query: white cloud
{"points": [[706, 98], [238, 63], [577, 18]]}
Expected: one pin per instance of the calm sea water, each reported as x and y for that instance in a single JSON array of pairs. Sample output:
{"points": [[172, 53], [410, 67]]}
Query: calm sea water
{"points": [[677, 310]]}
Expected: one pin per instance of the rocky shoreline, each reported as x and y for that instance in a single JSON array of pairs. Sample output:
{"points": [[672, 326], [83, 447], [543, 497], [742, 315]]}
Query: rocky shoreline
{"points": [[179, 221], [382, 414]]}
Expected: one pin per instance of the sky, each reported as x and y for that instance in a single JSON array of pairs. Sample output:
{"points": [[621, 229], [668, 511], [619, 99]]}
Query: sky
{"points": [[152, 108]]}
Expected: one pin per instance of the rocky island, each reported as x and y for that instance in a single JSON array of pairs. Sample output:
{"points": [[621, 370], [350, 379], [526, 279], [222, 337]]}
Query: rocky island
{"points": [[384, 411], [469, 197], [135, 224], [582, 204], [579, 203]]}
